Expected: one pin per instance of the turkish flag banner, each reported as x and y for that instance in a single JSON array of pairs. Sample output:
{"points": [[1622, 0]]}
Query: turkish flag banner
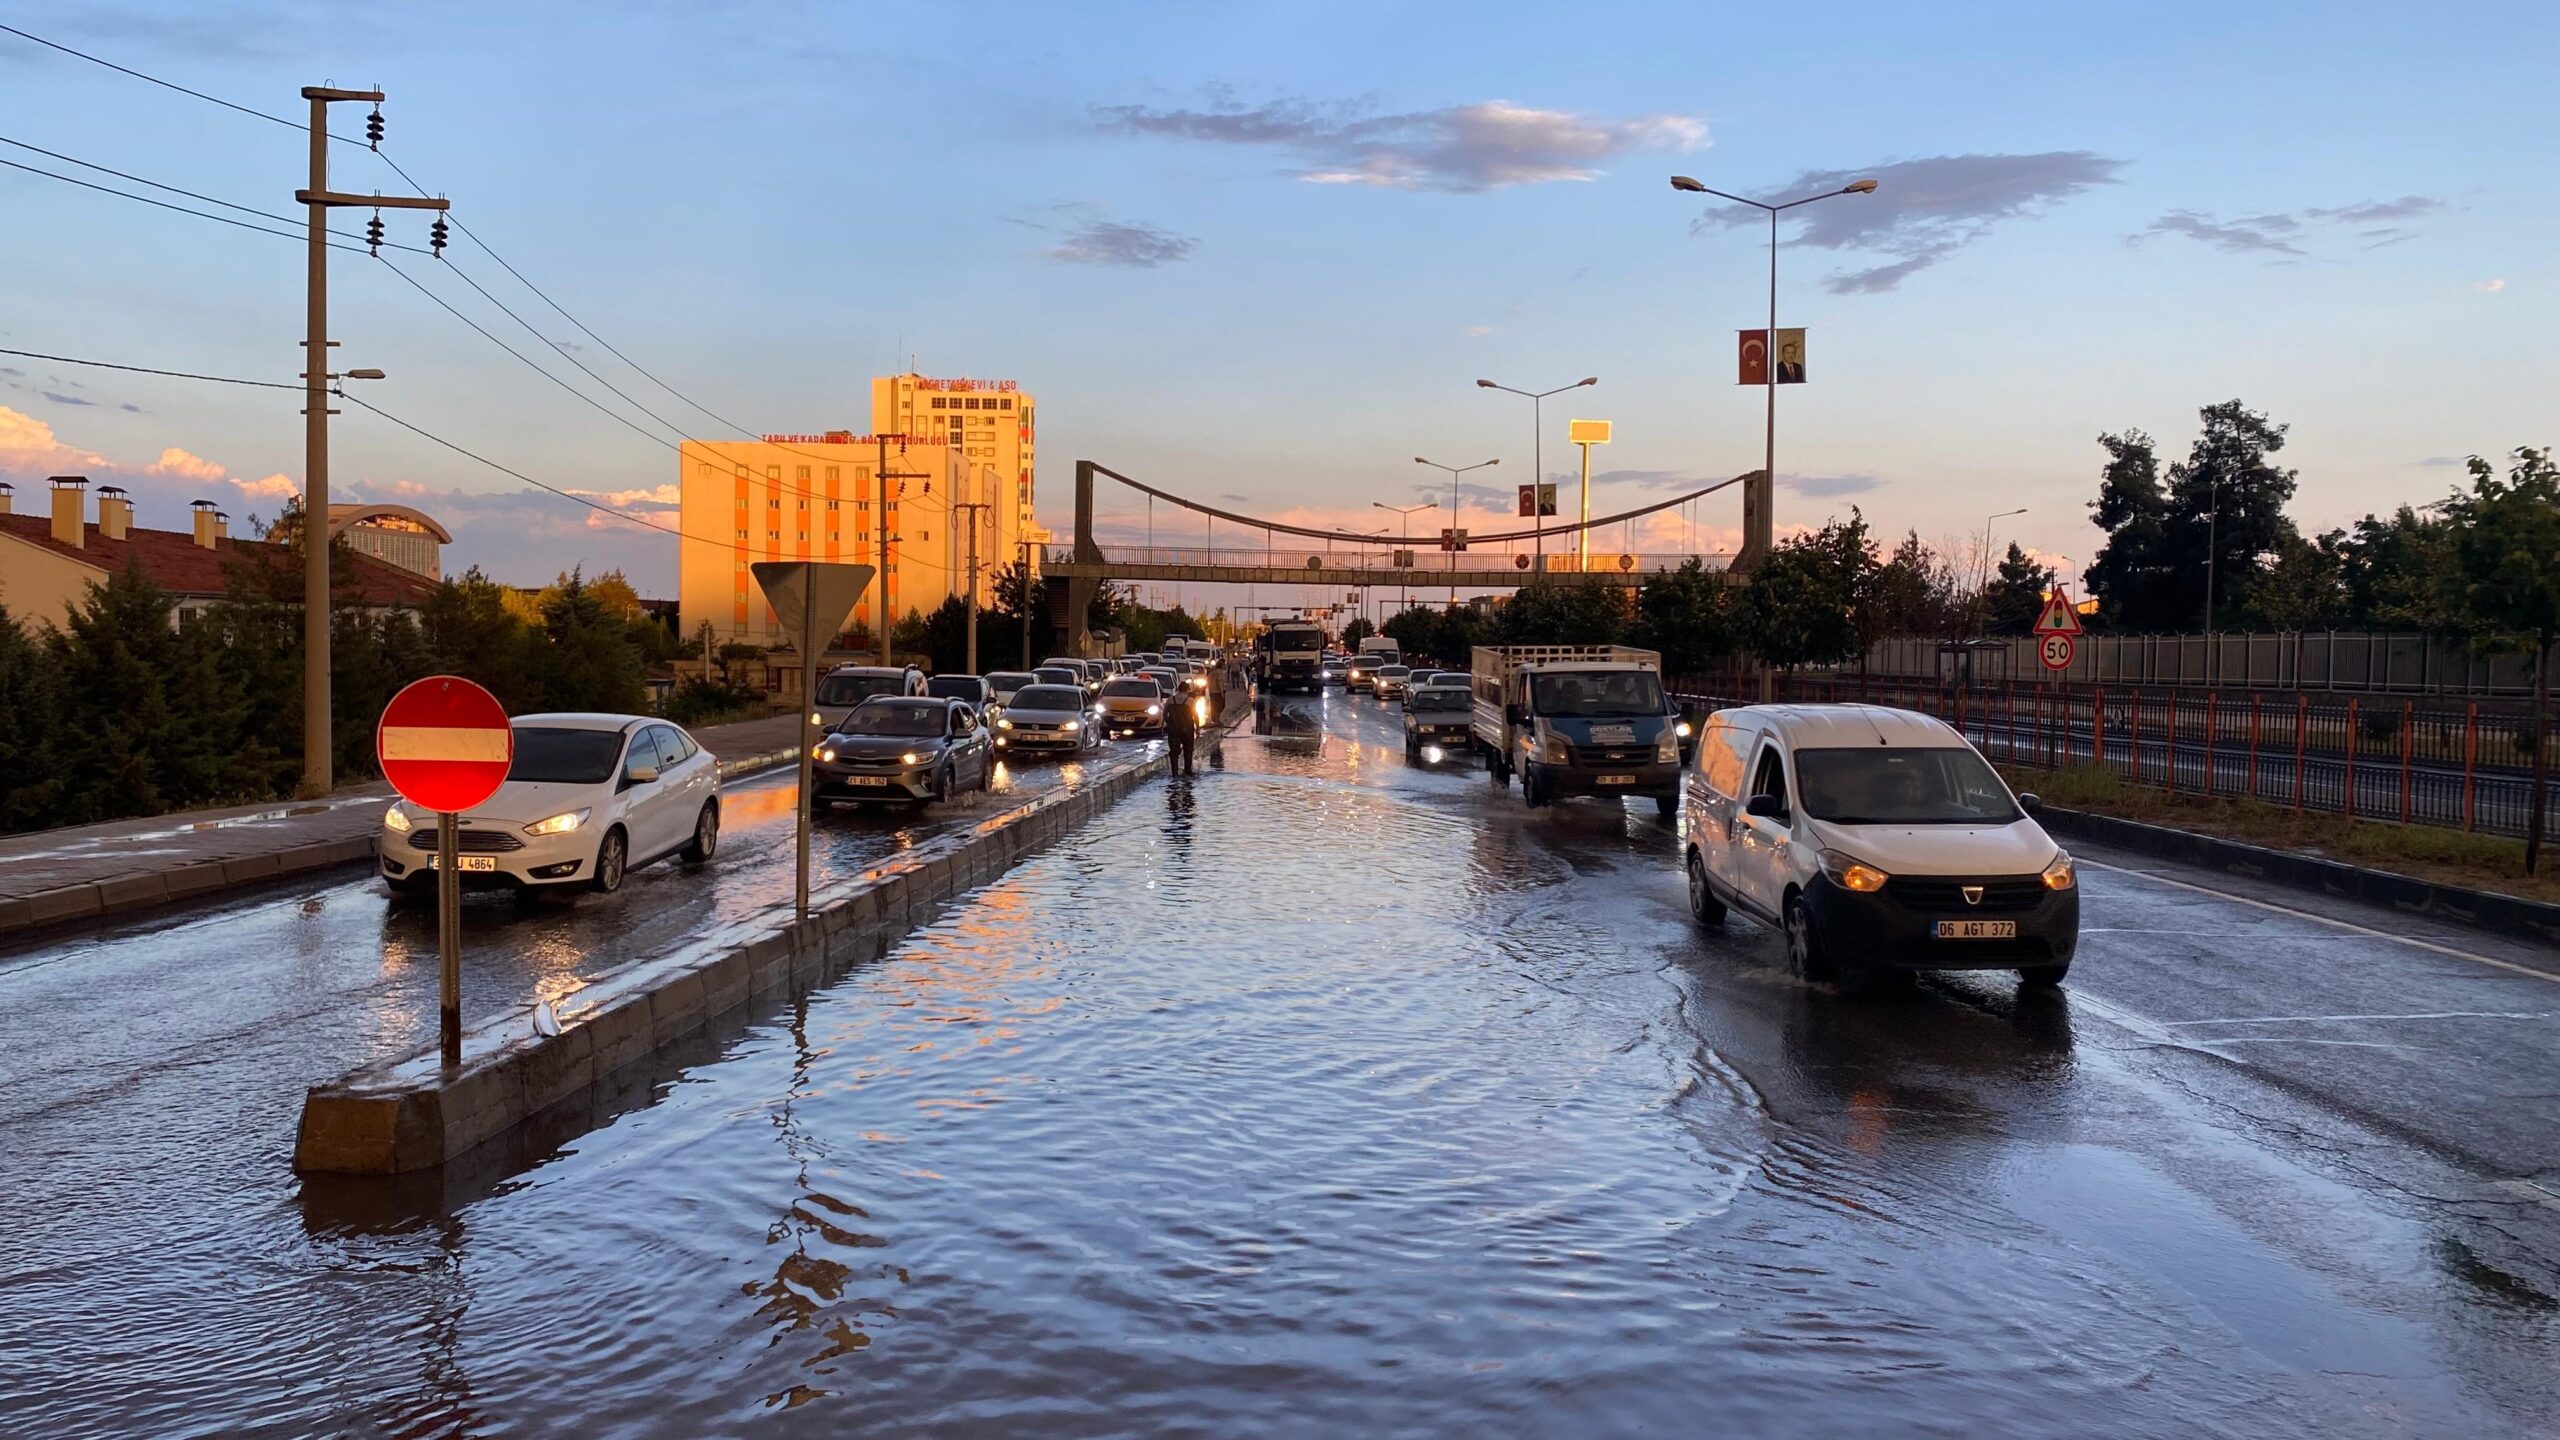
{"points": [[1529, 500], [1754, 356]]}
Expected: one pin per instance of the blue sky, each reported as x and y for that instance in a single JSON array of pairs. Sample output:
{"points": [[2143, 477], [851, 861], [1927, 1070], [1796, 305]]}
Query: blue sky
{"points": [[1265, 249]]}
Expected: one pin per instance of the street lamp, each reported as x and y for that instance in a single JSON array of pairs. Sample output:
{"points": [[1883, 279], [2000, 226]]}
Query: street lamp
{"points": [[1982, 580], [1537, 455], [1759, 500], [1454, 472], [1404, 593]]}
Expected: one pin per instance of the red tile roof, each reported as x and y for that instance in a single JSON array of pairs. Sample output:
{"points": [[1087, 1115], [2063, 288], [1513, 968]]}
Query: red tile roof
{"points": [[176, 563]]}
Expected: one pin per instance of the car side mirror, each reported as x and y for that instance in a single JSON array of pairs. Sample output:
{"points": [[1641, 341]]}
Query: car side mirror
{"points": [[1767, 807], [2030, 802], [640, 774]]}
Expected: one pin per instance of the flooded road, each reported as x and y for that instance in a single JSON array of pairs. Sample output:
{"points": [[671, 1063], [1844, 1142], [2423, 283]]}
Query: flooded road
{"points": [[1325, 1095]]}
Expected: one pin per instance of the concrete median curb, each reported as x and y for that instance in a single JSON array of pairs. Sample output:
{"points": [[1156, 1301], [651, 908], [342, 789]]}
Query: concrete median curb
{"points": [[410, 1113], [2479, 909]]}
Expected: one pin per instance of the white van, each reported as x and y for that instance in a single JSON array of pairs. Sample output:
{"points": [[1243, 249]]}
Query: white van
{"points": [[1874, 838]]}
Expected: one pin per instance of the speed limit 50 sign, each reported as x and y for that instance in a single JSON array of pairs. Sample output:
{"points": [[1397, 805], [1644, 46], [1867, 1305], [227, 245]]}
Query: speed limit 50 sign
{"points": [[2055, 651]]}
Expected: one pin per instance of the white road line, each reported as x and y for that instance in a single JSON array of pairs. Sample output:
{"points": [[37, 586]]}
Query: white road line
{"points": [[2349, 925], [2434, 1015]]}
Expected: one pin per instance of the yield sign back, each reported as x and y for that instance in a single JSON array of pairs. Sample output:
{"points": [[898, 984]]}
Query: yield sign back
{"points": [[2058, 617], [445, 744], [811, 595]]}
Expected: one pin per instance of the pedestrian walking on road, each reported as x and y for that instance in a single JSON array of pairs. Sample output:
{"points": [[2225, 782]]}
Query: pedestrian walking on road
{"points": [[1182, 733]]}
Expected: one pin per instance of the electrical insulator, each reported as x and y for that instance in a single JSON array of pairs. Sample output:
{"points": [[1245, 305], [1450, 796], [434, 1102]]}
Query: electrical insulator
{"points": [[373, 233], [928, 487], [373, 130], [435, 236]]}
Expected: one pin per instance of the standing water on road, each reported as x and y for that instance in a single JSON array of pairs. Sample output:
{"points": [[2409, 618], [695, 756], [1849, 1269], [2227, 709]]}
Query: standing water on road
{"points": [[1326, 1095]]}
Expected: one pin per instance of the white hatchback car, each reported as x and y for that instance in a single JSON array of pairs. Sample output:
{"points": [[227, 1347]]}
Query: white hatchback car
{"points": [[1875, 839], [588, 798]]}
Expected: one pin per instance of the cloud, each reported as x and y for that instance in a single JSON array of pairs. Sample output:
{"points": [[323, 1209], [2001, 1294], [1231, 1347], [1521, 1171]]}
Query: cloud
{"points": [[1477, 330], [2441, 462], [659, 497], [1123, 243], [2490, 287], [2282, 232], [1457, 149], [28, 444], [1238, 499], [278, 486], [1924, 210], [130, 408], [174, 461], [58, 398], [1828, 486]]}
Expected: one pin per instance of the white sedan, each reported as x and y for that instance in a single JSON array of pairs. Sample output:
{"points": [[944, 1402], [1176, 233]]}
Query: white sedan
{"points": [[588, 798]]}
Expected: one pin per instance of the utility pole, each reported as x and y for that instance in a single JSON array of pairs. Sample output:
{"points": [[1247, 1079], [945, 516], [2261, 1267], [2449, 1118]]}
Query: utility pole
{"points": [[317, 760], [973, 507], [1025, 576], [881, 477]]}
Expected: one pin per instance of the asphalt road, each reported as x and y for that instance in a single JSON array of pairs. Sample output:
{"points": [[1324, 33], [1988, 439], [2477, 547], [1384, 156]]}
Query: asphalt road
{"points": [[1325, 1095]]}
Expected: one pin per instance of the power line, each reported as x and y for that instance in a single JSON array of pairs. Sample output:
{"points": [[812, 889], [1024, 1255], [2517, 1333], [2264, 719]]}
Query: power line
{"points": [[156, 80], [175, 190], [147, 200], [477, 458], [147, 370]]}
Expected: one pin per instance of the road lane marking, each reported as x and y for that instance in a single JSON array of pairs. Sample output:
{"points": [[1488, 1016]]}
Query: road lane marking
{"points": [[2432, 1015], [2349, 925]]}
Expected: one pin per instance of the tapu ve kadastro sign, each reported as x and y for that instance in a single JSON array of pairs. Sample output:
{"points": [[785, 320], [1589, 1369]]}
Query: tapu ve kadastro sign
{"points": [[445, 744]]}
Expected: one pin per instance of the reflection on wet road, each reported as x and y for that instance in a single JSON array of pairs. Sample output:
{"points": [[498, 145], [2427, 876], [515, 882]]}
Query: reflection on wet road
{"points": [[1326, 1095]]}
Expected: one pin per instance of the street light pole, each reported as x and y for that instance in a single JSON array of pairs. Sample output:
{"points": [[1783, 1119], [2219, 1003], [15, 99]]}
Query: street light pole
{"points": [[2212, 515], [1404, 592], [1759, 498], [1454, 472], [1982, 574], [1538, 457]]}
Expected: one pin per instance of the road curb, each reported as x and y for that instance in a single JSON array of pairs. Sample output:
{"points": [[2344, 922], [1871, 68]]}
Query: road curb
{"points": [[409, 1113], [2479, 909]]}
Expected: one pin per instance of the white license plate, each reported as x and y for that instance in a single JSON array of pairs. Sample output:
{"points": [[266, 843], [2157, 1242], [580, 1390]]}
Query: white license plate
{"points": [[1617, 779], [466, 862], [1977, 929], [866, 779]]}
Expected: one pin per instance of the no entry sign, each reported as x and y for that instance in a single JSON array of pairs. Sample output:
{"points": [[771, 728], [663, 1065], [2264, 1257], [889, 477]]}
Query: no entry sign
{"points": [[444, 744]]}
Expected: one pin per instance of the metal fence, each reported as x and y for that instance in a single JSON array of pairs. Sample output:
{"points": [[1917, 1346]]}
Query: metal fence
{"points": [[2311, 660], [2464, 764]]}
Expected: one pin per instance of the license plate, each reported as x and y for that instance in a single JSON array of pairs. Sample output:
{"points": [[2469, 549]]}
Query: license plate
{"points": [[1617, 779], [866, 779], [466, 862], [1977, 930]]}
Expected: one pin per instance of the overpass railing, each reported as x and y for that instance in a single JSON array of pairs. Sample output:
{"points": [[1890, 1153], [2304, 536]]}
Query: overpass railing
{"points": [[1299, 553]]}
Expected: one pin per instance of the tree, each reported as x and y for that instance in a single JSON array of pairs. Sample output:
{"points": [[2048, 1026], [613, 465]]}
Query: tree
{"points": [[946, 636], [2505, 577], [2302, 589], [2223, 504], [614, 594], [908, 637], [1806, 599], [1564, 612], [2128, 577], [1913, 593], [2391, 572], [1358, 630], [2015, 598], [31, 785], [1687, 615]]}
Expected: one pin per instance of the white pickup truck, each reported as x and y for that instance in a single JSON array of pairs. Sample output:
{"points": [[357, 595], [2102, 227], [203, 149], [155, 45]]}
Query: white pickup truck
{"points": [[1577, 720]]}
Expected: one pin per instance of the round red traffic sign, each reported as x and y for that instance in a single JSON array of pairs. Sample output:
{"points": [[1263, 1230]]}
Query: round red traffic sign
{"points": [[444, 744], [2056, 652]]}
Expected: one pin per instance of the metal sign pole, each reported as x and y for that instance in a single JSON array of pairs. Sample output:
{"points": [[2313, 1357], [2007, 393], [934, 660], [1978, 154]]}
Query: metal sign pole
{"points": [[809, 738], [449, 935]]}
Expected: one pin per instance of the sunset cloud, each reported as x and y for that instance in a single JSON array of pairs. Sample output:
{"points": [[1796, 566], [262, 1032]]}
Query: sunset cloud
{"points": [[186, 466]]}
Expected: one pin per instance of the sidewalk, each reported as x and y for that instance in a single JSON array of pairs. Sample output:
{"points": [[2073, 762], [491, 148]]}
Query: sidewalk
{"points": [[51, 877]]}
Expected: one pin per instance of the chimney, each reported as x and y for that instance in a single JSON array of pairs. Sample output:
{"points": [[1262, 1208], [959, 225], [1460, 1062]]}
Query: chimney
{"points": [[204, 523], [70, 498], [6, 490], [115, 512], [221, 525]]}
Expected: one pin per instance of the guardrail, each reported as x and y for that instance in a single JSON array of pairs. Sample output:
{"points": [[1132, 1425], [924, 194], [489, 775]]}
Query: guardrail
{"points": [[2457, 764]]}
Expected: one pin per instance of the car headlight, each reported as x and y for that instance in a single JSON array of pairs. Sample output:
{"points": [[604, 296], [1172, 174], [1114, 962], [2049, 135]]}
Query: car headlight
{"points": [[2058, 875], [1073, 725], [558, 824], [1004, 724], [395, 819], [1155, 709], [911, 758], [1682, 730], [1666, 751], [1850, 873], [826, 753], [1557, 751]]}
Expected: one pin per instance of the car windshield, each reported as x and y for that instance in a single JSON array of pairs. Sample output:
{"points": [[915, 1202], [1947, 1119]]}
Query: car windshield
{"points": [[1440, 697], [854, 689], [1048, 697], [1598, 692], [895, 717], [955, 687], [1005, 680], [1393, 672], [1131, 689], [1882, 786], [545, 756], [1052, 675]]}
